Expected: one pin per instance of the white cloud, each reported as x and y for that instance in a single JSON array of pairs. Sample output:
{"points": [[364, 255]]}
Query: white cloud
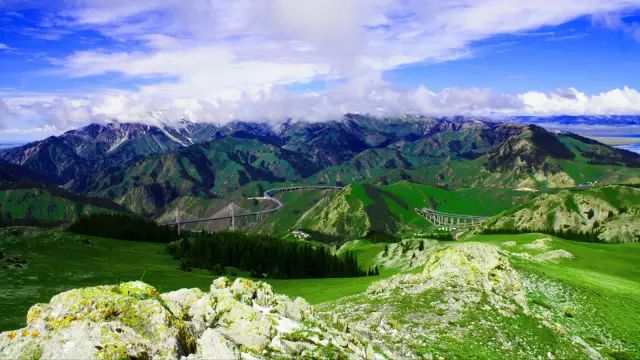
{"points": [[615, 21], [573, 102], [346, 37], [201, 72], [367, 94], [222, 60], [4, 46]]}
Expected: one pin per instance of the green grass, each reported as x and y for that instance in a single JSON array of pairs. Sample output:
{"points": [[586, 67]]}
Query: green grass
{"points": [[613, 267], [366, 253], [605, 276], [323, 290], [605, 279], [390, 209], [58, 261], [358, 192], [317, 291], [582, 171]]}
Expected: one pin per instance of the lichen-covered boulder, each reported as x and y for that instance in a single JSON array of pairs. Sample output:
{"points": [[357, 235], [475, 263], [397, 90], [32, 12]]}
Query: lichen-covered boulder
{"points": [[127, 320], [213, 345], [475, 265], [239, 319]]}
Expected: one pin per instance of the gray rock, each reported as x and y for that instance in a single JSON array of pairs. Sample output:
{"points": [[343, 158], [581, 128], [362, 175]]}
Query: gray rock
{"points": [[234, 320]]}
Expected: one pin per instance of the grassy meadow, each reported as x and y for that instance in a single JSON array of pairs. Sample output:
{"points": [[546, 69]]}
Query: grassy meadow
{"points": [[56, 261]]}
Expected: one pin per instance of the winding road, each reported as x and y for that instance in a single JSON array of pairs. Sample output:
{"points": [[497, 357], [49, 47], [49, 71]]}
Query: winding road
{"points": [[268, 195]]}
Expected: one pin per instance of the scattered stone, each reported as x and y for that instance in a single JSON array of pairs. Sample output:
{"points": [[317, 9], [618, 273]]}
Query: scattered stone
{"points": [[538, 244], [553, 255], [591, 352]]}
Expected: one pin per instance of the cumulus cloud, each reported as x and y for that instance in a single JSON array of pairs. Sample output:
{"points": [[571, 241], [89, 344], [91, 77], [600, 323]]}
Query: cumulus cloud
{"points": [[574, 102], [218, 61]]}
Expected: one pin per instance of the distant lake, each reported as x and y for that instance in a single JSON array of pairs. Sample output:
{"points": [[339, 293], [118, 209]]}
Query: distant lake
{"points": [[633, 147]]}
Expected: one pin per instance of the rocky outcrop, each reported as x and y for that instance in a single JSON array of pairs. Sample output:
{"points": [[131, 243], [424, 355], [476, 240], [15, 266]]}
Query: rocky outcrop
{"points": [[233, 320], [407, 254], [475, 266], [622, 228], [468, 302], [607, 214]]}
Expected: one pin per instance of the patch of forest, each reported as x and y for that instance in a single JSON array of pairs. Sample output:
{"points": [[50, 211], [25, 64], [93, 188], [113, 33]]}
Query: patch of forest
{"points": [[263, 256]]}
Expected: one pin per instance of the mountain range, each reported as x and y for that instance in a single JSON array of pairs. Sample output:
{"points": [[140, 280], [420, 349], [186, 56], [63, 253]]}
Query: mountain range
{"points": [[145, 168]]}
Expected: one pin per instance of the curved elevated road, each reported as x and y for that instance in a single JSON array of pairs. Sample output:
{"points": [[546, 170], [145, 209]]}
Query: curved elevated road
{"points": [[451, 220], [268, 195]]}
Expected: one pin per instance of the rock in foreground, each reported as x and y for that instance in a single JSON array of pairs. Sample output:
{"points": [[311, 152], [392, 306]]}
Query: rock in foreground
{"points": [[468, 302], [240, 319]]}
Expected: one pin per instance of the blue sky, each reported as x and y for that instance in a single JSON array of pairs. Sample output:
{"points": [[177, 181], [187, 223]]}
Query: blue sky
{"points": [[68, 63], [579, 54]]}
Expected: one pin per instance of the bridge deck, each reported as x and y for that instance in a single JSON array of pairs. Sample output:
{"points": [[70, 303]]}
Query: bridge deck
{"points": [[451, 220]]}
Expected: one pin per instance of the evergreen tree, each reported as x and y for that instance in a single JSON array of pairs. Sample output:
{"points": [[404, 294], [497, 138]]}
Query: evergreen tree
{"points": [[263, 255]]}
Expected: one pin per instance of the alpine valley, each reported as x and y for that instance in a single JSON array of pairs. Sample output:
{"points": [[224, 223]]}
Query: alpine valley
{"points": [[406, 237]]}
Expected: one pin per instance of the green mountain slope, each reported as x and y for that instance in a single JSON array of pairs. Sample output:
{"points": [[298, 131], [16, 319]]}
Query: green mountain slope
{"points": [[608, 213], [345, 214], [296, 205], [24, 199], [362, 210], [14, 173], [217, 169], [502, 156], [47, 205]]}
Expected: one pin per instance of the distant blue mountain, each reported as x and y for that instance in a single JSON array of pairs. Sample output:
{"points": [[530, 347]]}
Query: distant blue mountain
{"points": [[10, 145], [610, 120]]}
